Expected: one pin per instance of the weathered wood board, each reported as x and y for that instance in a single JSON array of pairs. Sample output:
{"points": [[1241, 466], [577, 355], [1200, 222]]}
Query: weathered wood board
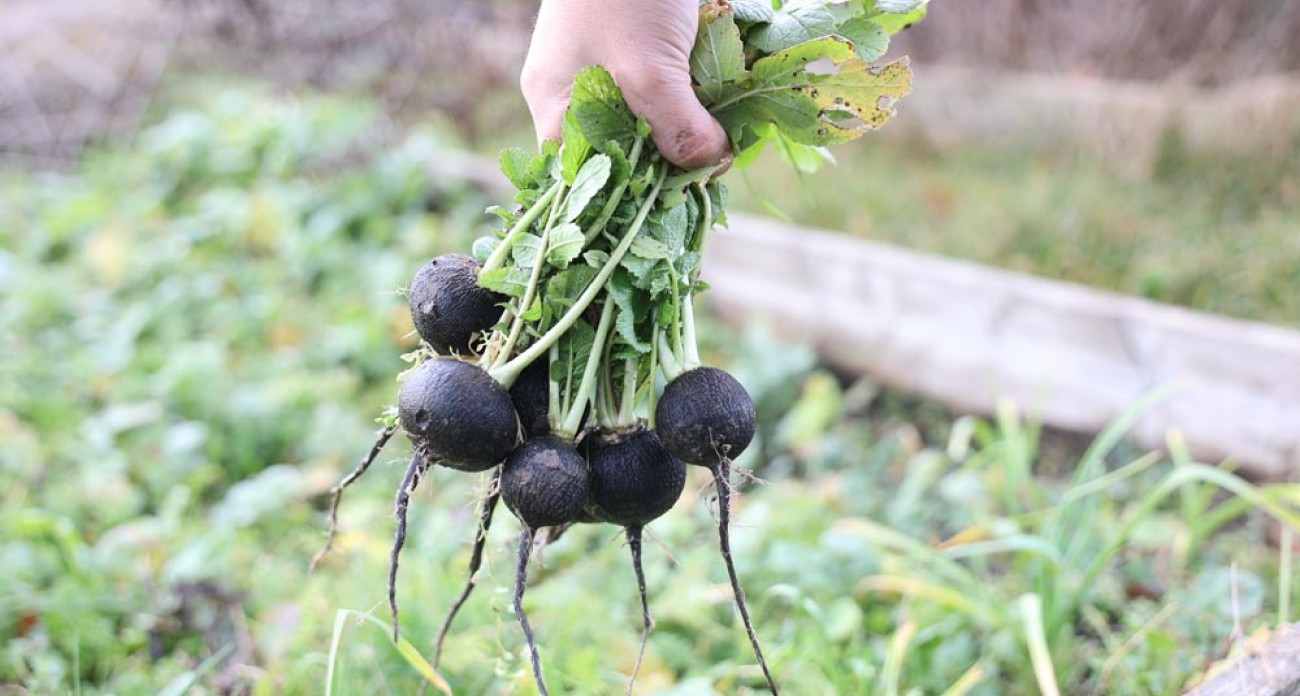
{"points": [[968, 335], [1271, 669]]}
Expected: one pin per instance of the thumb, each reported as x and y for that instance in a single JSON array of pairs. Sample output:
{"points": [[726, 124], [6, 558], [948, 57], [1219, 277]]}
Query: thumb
{"points": [[683, 130]]}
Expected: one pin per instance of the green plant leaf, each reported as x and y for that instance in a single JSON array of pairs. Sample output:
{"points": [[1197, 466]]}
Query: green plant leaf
{"points": [[870, 40], [752, 11], [896, 15], [574, 151], [598, 110], [718, 57], [515, 165], [586, 184], [565, 244], [791, 25]]}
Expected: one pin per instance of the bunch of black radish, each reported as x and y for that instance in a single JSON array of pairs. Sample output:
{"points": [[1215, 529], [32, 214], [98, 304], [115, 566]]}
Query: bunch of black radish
{"points": [[561, 354]]}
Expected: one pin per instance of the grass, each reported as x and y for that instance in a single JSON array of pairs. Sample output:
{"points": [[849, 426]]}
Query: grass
{"points": [[200, 330], [1210, 232]]}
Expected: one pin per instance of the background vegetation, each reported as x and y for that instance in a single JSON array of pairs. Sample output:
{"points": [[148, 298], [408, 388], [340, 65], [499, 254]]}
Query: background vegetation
{"points": [[199, 330], [200, 318]]}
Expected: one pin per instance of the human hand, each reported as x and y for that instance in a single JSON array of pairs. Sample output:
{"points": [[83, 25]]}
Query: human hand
{"points": [[645, 45]]}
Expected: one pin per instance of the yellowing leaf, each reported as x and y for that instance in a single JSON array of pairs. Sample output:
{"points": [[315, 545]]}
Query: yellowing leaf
{"points": [[868, 92]]}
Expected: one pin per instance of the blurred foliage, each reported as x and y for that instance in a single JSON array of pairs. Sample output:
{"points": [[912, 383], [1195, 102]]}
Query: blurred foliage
{"points": [[1209, 231], [199, 330]]}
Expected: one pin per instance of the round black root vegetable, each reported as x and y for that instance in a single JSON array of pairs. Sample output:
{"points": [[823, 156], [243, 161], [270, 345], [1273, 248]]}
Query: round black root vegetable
{"points": [[457, 415], [336, 492], [448, 306], [634, 478], [705, 417], [545, 482], [489, 506], [414, 473], [531, 394]]}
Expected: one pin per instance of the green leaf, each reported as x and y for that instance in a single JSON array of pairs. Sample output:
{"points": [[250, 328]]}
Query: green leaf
{"points": [[598, 110], [670, 226], [805, 158], [588, 182], [596, 258], [896, 15], [563, 288], [534, 311], [793, 24], [649, 248], [574, 151], [870, 40], [572, 351], [506, 280], [787, 67], [818, 108], [482, 248], [718, 57], [633, 308], [752, 11], [524, 252], [515, 165], [565, 244]]}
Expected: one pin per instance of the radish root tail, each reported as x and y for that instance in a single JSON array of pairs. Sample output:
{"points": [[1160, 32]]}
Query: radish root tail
{"points": [[648, 624], [489, 506], [409, 483], [721, 477], [336, 493], [521, 579]]}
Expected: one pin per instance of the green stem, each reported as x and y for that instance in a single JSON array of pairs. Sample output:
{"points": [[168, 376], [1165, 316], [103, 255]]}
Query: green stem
{"points": [[517, 326], [627, 409], [530, 216], [554, 410], [578, 403], [615, 196], [672, 367], [677, 313], [706, 222], [692, 357], [650, 383], [506, 374]]}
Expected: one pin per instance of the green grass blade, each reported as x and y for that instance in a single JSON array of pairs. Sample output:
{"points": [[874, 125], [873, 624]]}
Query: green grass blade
{"points": [[893, 668], [918, 552], [408, 652], [1015, 543], [966, 682], [183, 682], [1188, 473], [937, 594], [1092, 466], [1103, 483], [1031, 609], [340, 620]]}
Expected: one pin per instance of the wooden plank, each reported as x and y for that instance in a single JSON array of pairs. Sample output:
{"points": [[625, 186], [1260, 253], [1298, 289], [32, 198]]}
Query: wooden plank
{"points": [[969, 336], [1269, 670]]}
